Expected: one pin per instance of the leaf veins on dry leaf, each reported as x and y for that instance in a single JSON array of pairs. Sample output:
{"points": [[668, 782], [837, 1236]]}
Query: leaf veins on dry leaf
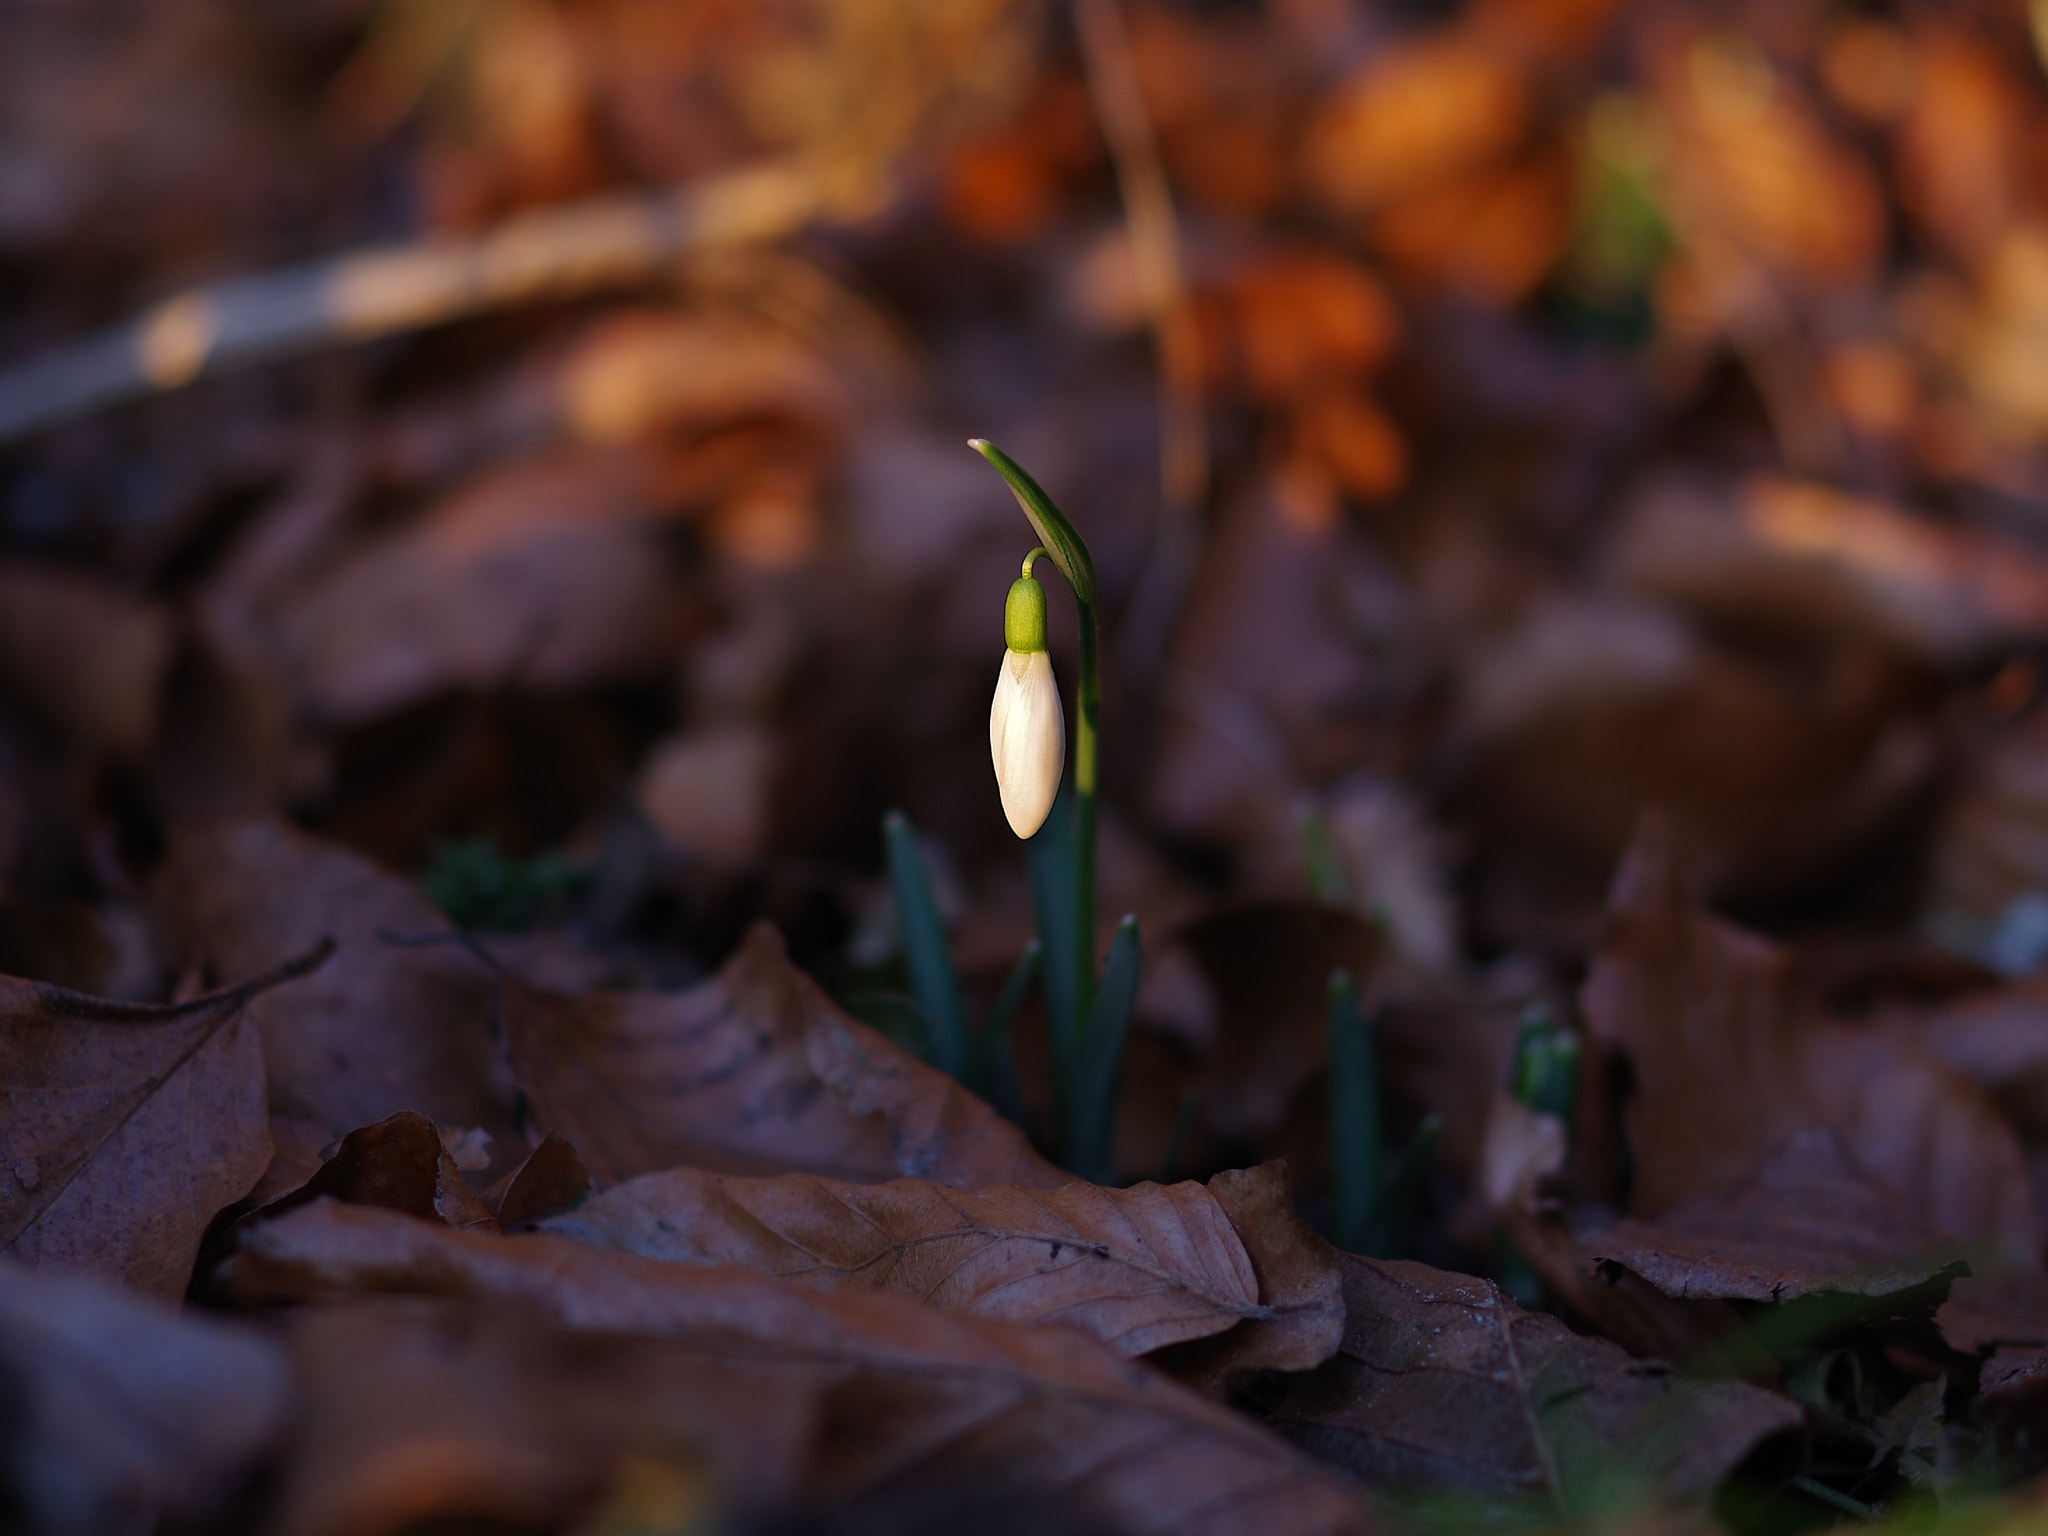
{"points": [[1138, 1268], [383, 1028], [754, 1071], [124, 1127], [1444, 1384], [913, 1387]]}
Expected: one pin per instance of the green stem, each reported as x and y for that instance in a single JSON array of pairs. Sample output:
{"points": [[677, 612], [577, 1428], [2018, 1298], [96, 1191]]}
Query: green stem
{"points": [[1086, 709], [1069, 552]]}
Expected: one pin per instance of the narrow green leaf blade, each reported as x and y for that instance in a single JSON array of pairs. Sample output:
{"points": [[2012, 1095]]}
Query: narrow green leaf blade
{"points": [[1354, 1115], [1098, 1064], [895, 1015], [1395, 1207], [926, 955], [992, 1066], [1051, 853], [1061, 542]]}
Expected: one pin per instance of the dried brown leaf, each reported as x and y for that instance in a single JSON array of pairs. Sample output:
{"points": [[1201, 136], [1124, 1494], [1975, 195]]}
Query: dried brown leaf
{"points": [[401, 1164], [383, 1028], [1783, 557], [2004, 1318], [125, 1127], [920, 1392], [552, 1179], [1137, 1268], [1586, 713], [1805, 1221], [751, 1072], [1300, 1290], [119, 1414], [1444, 1384], [548, 573], [1694, 1001]]}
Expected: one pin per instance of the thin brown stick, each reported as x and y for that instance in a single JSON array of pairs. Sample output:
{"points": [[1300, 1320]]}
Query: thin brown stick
{"points": [[573, 249], [1155, 249]]}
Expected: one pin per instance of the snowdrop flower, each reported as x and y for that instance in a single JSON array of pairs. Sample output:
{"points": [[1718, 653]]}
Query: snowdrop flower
{"points": [[1027, 733]]}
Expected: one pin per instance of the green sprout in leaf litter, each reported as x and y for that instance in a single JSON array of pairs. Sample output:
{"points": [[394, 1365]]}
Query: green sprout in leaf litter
{"points": [[1370, 1203]]}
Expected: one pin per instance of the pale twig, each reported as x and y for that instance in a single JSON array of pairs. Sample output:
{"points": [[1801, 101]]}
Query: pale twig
{"points": [[1155, 252], [560, 252]]}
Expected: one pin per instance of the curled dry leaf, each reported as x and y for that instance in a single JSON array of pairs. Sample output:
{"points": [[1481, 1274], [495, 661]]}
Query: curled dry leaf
{"points": [[1804, 1222], [919, 1392], [753, 1071], [1443, 1384], [2004, 1318], [119, 1414], [125, 1127], [383, 1028], [1707, 1338], [1137, 1268], [1301, 1293], [551, 1179], [401, 1164], [1691, 999]]}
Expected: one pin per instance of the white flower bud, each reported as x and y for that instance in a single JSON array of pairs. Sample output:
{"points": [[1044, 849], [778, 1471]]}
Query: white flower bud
{"points": [[1027, 737]]}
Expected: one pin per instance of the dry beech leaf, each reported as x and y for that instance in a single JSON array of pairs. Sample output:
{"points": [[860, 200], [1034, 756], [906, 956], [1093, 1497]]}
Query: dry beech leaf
{"points": [[1691, 999], [1137, 1268], [2004, 1318], [383, 1028], [754, 1071], [552, 1179], [401, 1164], [1707, 1338], [1788, 557], [125, 1127], [1445, 1385], [83, 656], [420, 1409], [549, 574], [919, 1390], [1300, 1290], [119, 1414], [1804, 1222]]}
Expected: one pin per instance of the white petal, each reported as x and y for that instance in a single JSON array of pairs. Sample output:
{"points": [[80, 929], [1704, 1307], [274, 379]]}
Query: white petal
{"points": [[1027, 738]]}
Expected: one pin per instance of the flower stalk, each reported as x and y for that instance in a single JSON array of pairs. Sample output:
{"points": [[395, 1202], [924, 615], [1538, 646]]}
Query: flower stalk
{"points": [[1071, 1000], [1086, 1032]]}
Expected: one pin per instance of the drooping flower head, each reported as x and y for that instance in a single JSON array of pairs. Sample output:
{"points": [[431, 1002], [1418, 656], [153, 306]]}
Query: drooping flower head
{"points": [[1027, 731]]}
